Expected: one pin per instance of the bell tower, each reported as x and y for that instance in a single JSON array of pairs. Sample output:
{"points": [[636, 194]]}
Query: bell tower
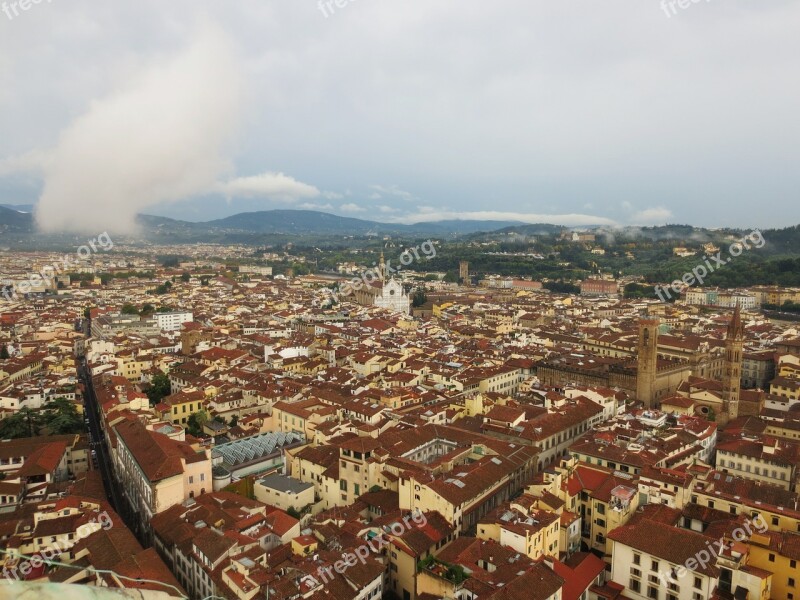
{"points": [[647, 366], [731, 381]]}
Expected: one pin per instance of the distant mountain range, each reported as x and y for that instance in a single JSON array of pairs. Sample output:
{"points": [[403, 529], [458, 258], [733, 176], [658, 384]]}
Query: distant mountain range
{"points": [[281, 226], [272, 222]]}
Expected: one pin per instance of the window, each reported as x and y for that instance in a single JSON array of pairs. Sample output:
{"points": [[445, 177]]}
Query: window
{"points": [[652, 592], [776, 521], [343, 485], [637, 559], [654, 566], [635, 585], [790, 583], [771, 557]]}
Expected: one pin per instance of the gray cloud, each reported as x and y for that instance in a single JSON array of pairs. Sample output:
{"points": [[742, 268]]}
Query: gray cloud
{"points": [[527, 106]]}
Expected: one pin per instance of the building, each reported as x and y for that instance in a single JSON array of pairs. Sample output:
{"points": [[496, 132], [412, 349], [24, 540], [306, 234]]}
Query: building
{"points": [[657, 560], [600, 287], [284, 492], [156, 472], [647, 364], [732, 378], [172, 321]]}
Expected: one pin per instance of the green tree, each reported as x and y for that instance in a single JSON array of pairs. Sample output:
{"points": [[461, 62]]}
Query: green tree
{"points": [[61, 416], [129, 309], [158, 388], [24, 423], [195, 422], [419, 298], [164, 288], [185, 277], [234, 420], [4, 355], [147, 309], [451, 277]]}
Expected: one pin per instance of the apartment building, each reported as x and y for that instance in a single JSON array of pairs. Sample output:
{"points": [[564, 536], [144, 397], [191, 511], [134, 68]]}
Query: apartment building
{"points": [[155, 471]]}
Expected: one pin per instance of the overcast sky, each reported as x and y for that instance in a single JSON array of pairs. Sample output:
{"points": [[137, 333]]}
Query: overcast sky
{"points": [[573, 112]]}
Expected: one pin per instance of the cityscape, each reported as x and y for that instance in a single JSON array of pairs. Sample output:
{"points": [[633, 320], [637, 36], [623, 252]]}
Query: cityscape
{"points": [[423, 343]]}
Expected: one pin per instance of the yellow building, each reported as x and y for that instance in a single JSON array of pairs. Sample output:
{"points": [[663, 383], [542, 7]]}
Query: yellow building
{"points": [[778, 553], [534, 533]]}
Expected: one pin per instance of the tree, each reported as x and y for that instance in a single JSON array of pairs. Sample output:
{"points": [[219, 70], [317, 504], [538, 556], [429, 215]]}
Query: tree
{"points": [[159, 387], [61, 417], [147, 309], [185, 277], [164, 288], [195, 422], [4, 355], [452, 277], [419, 298], [129, 309], [24, 423], [234, 420]]}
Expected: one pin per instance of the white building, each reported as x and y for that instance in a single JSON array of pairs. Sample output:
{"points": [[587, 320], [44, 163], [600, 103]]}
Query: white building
{"points": [[394, 298], [172, 321]]}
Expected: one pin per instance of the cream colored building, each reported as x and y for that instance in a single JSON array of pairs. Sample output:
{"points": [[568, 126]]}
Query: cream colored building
{"points": [[284, 492], [156, 472]]}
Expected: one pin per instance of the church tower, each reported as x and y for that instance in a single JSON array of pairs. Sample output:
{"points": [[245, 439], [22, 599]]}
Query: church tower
{"points": [[647, 361], [731, 380], [382, 268]]}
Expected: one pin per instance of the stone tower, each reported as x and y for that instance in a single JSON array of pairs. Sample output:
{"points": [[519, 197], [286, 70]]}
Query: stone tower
{"points": [[731, 379], [463, 272], [647, 366]]}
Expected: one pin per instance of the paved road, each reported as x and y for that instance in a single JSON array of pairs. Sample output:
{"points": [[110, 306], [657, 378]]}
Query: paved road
{"points": [[92, 411]]}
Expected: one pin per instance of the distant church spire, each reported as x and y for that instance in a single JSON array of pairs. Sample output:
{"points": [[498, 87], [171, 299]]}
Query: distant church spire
{"points": [[382, 268]]}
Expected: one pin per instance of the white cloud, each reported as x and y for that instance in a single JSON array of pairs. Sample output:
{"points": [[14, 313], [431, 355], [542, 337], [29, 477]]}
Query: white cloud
{"points": [[488, 215], [34, 161], [313, 206], [651, 216], [351, 208], [160, 137], [392, 191], [272, 186]]}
